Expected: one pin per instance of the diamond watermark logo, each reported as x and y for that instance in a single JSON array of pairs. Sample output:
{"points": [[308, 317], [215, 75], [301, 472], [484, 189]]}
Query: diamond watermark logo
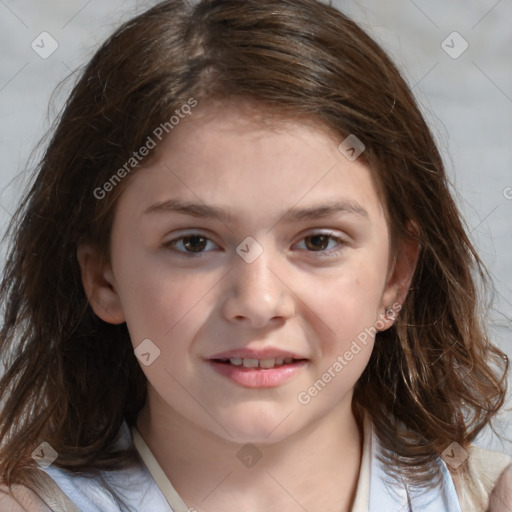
{"points": [[44, 455], [147, 352], [455, 455], [249, 250], [44, 45], [249, 455], [454, 45], [351, 148]]}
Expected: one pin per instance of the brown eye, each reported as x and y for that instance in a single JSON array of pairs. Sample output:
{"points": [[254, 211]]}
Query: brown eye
{"points": [[194, 243], [322, 244], [191, 245], [317, 242]]}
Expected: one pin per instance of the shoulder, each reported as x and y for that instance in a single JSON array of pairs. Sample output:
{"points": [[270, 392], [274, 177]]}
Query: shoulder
{"points": [[20, 499], [501, 496], [39, 493], [487, 477], [482, 461]]}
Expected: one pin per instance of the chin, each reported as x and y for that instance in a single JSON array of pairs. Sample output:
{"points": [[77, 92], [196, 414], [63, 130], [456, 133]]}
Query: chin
{"points": [[258, 427]]}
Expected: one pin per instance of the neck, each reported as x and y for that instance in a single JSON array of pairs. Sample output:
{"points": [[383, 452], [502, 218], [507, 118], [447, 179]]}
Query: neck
{"points": [[316, 468]]}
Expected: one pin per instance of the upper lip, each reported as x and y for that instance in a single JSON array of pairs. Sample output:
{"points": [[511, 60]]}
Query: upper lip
{"points": [[249, 353]]}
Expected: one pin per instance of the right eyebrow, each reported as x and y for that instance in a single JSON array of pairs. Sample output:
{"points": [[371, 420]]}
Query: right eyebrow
{"points": [[189, 208]]}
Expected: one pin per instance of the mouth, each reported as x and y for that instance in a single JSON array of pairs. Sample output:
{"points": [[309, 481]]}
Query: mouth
{"points": [[258, 372], [263, 364]]}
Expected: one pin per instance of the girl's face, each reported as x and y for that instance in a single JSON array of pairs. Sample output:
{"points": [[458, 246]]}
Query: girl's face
{"points": [[241, 245]]}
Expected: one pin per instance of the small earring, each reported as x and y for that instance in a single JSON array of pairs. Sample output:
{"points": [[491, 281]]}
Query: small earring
{"points": [[390, 313]]}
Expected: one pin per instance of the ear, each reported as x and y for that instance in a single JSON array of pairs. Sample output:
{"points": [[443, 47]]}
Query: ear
{"points": [[399, 278], [99, 285]]}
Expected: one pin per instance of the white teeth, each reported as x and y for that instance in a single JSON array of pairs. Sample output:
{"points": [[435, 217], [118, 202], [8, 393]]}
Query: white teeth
{"points": [[262, 363], [250, 363]]}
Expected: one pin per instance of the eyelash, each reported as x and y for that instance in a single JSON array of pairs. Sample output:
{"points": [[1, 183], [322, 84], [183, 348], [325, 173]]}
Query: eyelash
{"points": [[321, 253]]}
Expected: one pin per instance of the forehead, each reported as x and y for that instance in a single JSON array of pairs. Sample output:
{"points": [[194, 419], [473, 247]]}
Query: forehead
{"points": [[242, 158]]}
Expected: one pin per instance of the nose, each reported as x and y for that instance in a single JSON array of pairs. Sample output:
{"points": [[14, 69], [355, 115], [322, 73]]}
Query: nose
{"points": [[257, 293]]}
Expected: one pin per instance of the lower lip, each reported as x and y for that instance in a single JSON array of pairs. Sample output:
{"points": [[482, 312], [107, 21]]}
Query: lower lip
{"points": [[258, 377]]}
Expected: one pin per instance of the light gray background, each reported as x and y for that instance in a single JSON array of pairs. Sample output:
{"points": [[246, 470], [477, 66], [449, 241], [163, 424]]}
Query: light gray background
{"points": [[467, 100]]}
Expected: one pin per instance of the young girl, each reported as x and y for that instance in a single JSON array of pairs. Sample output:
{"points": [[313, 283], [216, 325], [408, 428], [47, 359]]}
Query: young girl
{"points": [[239, 283]]}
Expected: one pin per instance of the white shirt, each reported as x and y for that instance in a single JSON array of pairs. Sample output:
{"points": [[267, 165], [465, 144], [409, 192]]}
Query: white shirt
{"points": [[147, 488]]}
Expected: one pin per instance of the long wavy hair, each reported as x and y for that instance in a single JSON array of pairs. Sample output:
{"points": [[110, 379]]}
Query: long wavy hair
{"points": [[72, 379]]}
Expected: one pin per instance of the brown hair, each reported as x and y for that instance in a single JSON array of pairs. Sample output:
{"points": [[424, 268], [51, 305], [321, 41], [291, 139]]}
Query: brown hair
{"points": [[72, 379]]}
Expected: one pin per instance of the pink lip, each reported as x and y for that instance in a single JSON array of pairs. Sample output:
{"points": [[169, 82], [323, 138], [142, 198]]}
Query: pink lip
{"points": [[258, 377], [248, 353]]}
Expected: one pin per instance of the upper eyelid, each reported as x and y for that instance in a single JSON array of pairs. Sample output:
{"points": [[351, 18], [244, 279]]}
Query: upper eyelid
{"points": [[314, 232], [318, 232], [186, 235]]}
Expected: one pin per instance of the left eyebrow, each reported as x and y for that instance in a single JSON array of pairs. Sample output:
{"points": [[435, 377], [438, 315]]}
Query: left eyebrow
{"points": [[293, 215], [325, 210]]}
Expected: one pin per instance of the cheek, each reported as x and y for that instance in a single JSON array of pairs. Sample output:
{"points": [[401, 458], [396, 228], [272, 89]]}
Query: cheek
{"points": [[346, 304], [163, 304]]}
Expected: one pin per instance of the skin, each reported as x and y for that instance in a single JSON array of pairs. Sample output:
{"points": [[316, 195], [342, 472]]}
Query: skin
{"points": [[501, 496], [299, 295]]}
